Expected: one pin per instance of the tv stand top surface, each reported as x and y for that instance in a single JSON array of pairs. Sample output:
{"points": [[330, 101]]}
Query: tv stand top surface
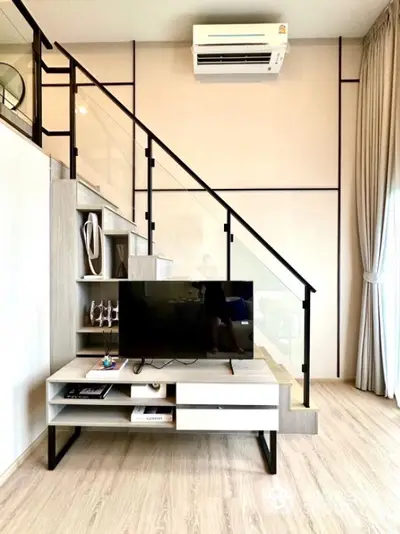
{"points": [[202, 371]]}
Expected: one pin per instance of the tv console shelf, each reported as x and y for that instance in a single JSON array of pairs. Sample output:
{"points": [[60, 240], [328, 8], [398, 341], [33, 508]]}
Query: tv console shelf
{"points": [[208, 398]]}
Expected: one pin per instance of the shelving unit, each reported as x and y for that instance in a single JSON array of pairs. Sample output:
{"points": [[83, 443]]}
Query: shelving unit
{"points": [[205, 397], [72, 333]]}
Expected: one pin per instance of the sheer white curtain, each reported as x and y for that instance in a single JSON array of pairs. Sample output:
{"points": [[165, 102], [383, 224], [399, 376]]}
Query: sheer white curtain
{"points": [[391, 297]]}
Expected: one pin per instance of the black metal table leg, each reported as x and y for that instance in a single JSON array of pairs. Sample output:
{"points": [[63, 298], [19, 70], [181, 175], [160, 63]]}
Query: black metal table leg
{"points": [[54, 458], [269, 453]]}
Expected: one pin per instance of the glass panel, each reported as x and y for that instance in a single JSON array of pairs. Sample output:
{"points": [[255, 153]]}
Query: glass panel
{"points": [[15, 67], [104, 140], [189, 228], [278, 311]]}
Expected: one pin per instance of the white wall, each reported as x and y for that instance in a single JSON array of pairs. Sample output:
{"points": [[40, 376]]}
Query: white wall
{"points": [[24, 293]]}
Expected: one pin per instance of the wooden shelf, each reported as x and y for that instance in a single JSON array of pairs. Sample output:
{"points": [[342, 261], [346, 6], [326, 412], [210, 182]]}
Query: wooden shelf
{"points": [[116, 397], [95, 351], [108, 416], [97, 330]]}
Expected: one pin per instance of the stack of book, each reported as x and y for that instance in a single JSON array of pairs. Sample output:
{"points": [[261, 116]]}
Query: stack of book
{"points": [[87, 391], [152, 414], [99, 371]]}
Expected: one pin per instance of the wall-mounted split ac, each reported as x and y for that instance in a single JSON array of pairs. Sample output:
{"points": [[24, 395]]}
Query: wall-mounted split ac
{"points": [[239, 49]]}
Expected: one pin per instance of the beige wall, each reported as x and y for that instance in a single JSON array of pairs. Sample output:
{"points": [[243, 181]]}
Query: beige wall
{"points": [[279, 134]]}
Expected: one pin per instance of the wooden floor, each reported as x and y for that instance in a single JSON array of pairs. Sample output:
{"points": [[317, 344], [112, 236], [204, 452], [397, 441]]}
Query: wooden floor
{"points": [[347, 479]]}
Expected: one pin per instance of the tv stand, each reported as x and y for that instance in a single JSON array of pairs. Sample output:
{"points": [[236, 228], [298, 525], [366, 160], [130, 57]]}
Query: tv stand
{"points": [[206, 397]]}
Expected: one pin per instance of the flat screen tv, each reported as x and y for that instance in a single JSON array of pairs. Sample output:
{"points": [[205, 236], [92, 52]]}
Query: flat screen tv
{"points": [[185, 320]]}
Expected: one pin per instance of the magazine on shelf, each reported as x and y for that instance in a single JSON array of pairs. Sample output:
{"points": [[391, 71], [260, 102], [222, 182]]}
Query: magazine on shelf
{"points": [[152, 414], [88, 391], [99, 371]]}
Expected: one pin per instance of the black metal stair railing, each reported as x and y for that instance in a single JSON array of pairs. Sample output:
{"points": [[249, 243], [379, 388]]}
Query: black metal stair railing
{"points": [[74, 65]]}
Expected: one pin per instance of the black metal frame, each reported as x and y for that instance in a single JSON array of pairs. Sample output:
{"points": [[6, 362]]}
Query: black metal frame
{"points": [[73, 151], [54, 457], [149, 212], [39, 38], [229, 241], [73, 85], [32, 22], [37, 88], [88, 84], [153, 139], [269, 453], [133, 130], [341, 80], [307, 339]]}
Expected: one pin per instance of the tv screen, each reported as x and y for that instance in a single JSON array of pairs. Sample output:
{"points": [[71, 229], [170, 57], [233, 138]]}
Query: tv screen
{"points": [[184, 319]]}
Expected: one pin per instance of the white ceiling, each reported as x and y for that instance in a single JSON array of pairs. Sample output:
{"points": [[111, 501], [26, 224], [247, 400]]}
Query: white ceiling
{"points": [[70, 21]]}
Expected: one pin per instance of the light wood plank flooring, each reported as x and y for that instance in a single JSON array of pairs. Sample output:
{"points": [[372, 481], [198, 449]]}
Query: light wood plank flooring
{"points": [[345, 480]]}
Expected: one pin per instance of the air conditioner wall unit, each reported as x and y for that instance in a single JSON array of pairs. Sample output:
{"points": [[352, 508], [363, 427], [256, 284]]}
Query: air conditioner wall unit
{"points": [[239, 49]]}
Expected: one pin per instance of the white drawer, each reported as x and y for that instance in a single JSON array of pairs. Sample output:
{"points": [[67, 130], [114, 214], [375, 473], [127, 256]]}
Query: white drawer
{"points": [[228, 394], [226, 419]]}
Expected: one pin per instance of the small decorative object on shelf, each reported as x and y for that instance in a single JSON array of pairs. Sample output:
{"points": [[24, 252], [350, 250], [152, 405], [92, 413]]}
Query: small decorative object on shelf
{"points": [[101, 315], [112, 313], [122, 271], [108, 362], [93, 238]]}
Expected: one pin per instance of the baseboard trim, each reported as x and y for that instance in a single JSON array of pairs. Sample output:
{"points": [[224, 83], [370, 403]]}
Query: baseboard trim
{"points": [[21, 459]]}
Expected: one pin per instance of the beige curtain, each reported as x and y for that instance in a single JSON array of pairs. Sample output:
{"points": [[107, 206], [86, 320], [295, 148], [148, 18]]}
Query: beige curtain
{"points": [[375, 168]]}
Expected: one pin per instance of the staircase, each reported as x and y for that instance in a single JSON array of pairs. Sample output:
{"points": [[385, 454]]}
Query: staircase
{"points": [[166, 237], [75, 199]]}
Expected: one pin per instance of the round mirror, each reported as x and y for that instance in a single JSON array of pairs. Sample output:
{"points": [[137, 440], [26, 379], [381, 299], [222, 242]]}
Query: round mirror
{"points": [[12, 86]]}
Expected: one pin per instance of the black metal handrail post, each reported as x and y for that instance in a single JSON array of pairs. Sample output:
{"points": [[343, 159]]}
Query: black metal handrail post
{"points": [[307, 334], [149, 212], [37, 89], [73, 89], [229, 240]]}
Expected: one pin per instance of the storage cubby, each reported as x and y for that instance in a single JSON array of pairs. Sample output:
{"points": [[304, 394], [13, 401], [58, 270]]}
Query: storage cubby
{"points": [[90, 344], [71, 293], [119, 254], [92, 340], [119, 395]]}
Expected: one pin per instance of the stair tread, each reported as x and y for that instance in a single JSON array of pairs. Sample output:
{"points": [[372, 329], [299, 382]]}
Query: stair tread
{"points": [[95, 189], [297, 399], [121, 232], [285, 378], [158, 256], [282, 376]]}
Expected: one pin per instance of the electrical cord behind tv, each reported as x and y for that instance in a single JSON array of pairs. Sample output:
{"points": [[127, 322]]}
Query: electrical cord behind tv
{"points": [[139, 367]]}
